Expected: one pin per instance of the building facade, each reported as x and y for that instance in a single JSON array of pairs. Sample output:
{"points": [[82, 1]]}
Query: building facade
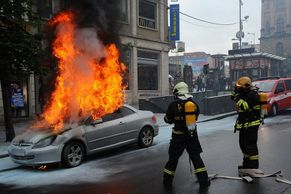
{"points": [[145, 32], [144, 39], [276, 31]]}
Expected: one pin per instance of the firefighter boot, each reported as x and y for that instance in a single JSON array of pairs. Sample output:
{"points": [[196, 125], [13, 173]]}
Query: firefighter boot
{"points": [[253, 162], [244, 164], [168, 180], [203, 180]]}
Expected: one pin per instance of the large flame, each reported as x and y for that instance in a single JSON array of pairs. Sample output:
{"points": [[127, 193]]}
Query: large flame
{"points": [[89, 80]]}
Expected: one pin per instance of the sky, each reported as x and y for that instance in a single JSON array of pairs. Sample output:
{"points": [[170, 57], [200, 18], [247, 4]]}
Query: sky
{"points": [[213, 39]]}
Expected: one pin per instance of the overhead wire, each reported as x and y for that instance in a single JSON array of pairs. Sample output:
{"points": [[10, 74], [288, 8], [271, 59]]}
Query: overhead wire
{"points": [[198, 19]]}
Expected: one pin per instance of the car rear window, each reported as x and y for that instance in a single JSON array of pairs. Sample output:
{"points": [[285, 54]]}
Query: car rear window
{"points": [[265, 86]]}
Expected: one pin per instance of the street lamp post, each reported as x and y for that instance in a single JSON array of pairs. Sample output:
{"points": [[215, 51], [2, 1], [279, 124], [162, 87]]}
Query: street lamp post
{"points": [[240, 34]]}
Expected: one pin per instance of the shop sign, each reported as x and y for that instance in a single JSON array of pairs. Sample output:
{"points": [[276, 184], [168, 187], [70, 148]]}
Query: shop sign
{"points": [[17, 99]]}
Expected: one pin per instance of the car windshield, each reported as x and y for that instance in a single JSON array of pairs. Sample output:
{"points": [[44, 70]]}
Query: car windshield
{"points": [[265, 86]]}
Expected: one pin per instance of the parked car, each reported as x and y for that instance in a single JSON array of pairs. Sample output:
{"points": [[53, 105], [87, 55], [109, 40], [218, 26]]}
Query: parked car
{"points": [[71, 145], [279, 93]]}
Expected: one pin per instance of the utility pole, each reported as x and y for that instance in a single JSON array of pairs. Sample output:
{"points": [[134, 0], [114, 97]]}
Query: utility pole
{"points": [[240, 25], [240, 34]]}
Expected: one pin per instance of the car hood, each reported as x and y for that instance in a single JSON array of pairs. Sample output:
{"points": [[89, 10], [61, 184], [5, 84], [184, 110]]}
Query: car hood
{"points": [[34, 136]]}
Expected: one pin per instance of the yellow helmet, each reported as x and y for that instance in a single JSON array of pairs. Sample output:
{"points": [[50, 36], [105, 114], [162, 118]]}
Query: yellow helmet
{"points": [[243, 82], [181, 88]]}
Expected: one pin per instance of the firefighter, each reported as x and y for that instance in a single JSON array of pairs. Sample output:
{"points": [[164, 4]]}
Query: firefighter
{"points": [[183, 112], [247, 101]]}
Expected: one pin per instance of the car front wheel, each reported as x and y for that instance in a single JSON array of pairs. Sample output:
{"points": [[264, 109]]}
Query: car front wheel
{"points": [[73, 154], [146, 137]]}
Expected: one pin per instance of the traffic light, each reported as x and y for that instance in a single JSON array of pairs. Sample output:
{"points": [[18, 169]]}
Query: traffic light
{"points": [[205, 68]]}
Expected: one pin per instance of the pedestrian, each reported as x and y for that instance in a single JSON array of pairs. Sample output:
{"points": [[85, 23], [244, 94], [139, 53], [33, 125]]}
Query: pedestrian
{"points": [[199, 84], [248, 106], [184, 135]]}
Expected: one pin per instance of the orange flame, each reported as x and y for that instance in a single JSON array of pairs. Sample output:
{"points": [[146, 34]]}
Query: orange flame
{"points": [[89, 80]]}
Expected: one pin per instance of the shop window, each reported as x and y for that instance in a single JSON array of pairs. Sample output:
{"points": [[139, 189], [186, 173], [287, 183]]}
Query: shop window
{"points": [[18, 96], [147, 13], [147, 70], [255, 72]]}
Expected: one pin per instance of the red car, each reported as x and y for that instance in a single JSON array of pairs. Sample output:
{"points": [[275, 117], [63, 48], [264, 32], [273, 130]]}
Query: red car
{"points": [[279, 93]]}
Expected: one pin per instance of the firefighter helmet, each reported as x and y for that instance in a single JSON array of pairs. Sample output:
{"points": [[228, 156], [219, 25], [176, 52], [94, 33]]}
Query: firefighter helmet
{"points": [[243, 82], [181, 88]]}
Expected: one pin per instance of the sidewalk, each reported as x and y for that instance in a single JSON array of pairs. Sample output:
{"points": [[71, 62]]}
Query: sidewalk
{"points": [[21, 126]]}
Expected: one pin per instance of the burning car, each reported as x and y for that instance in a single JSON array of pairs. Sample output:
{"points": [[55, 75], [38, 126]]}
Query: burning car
{"points": [[70, 145]]}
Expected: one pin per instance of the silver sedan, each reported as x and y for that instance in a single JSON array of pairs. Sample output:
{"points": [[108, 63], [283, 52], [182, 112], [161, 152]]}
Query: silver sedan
{"points": [[71, 145]]}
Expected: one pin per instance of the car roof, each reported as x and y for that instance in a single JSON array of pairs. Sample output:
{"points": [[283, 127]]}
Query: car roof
{"points": [[130, 107], [271, 79]]}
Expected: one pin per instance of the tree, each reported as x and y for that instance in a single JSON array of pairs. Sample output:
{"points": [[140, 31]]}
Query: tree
{"points": [[20, 46]]}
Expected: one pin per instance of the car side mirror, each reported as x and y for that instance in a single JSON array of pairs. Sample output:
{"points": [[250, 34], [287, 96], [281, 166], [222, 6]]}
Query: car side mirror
{"points": [[87, 121]]}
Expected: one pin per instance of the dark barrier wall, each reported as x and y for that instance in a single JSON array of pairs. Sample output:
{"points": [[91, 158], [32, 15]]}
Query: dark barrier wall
{"points": [[218, 105], [160, 104]]}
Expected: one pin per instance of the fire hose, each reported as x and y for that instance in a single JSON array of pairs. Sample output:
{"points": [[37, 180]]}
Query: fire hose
{"points": [[249, 174]]}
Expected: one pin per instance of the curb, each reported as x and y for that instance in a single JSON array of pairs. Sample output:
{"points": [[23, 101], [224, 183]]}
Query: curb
{"points": [[4, 155], [210, 119], [219, 117]]}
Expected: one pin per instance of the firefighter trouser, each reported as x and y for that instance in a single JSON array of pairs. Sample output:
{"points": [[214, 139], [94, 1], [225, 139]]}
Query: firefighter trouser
{"points": [[176, 149], [248, 143]]}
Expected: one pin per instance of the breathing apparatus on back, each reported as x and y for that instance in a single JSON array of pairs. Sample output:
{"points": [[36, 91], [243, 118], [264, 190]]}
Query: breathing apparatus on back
{"points": [[181, 92], [245, 84]]}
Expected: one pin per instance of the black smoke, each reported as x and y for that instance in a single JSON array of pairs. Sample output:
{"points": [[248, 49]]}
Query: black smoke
{"points": [[100, 14]]}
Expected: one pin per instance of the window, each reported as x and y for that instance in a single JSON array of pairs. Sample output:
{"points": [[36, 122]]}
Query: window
{"points": [[280, 49], [280, 25], [268, 28], [280, 5], [126, 111], [147, 70], [112, 116], [280, 88], [65, 4], [45, 8], [123, 10], [288, 84], [125, 57], [265, 86], [147, 13]]}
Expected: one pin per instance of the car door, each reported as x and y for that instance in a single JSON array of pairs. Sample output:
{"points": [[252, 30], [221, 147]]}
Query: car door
{"points": [[107, 133], [288, 92], [280, 95], [132, 123]]}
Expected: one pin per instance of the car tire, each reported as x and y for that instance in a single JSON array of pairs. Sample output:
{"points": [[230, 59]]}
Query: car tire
{"points": [[146, 137], [73, 154], [274, 110]]}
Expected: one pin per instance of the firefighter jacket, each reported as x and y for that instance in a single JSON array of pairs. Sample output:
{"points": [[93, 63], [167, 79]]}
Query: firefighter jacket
{"points": [[248, 107], [176, 114]]}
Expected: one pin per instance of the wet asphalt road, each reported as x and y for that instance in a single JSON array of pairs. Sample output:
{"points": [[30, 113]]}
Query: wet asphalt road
{"points": [[141, 171]]}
